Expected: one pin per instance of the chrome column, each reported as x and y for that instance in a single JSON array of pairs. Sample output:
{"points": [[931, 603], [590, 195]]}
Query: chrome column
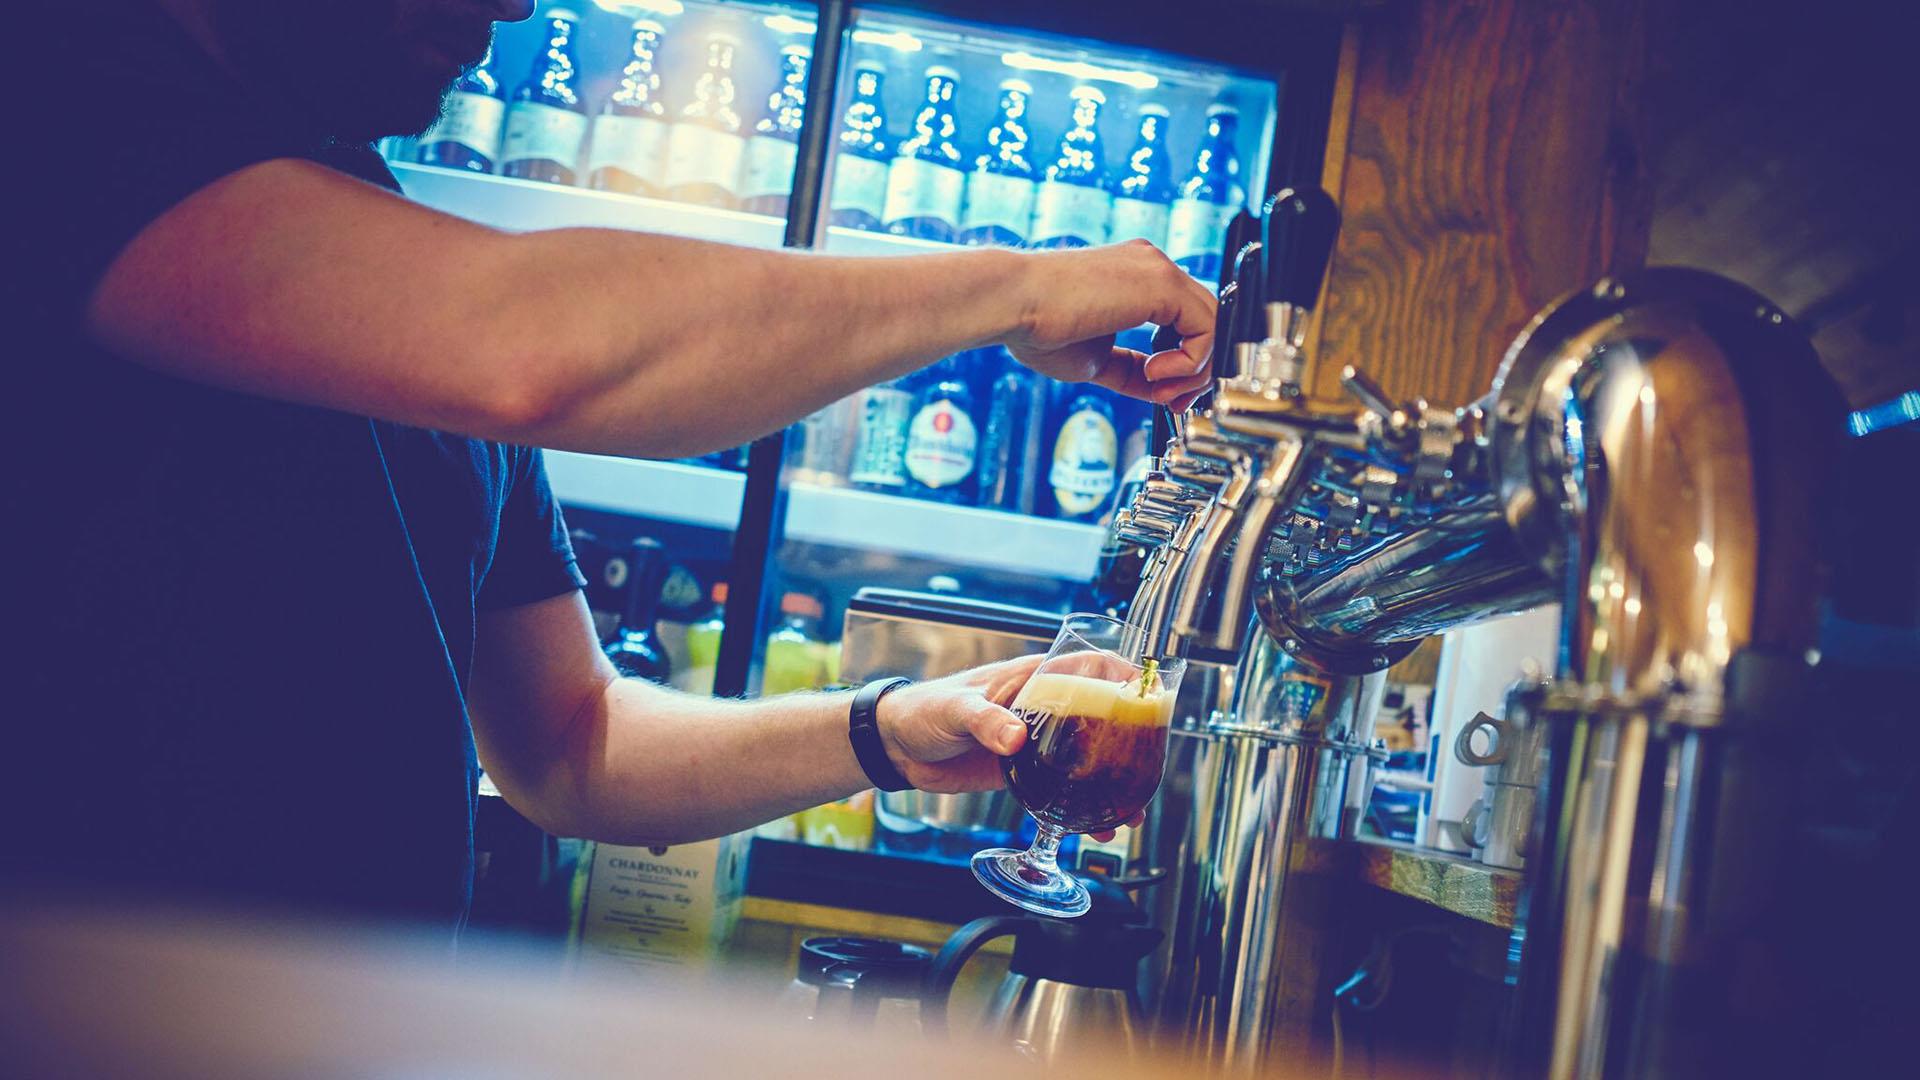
{"points": [[1661, 441]]}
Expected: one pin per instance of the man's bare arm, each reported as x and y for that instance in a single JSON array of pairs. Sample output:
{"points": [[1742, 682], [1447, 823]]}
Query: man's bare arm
{"points": [[584, 753], [292, 281]]}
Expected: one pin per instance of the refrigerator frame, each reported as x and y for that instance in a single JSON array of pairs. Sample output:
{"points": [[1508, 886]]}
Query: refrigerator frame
{"points": [[1299, 51]]}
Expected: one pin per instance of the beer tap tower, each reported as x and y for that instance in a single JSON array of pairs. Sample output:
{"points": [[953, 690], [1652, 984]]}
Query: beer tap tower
{"points": [[1649, 455]]}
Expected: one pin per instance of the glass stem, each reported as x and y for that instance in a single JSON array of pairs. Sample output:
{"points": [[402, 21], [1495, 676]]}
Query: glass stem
{"points": [[1045, 852]]}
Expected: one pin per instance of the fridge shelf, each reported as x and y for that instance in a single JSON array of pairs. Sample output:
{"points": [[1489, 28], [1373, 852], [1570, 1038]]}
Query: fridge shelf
{"points": [[955, 535], [840, 517], [663, 490], [527, 205]]}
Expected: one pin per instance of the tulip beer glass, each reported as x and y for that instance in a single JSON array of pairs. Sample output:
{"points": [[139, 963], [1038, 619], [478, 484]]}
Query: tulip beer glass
{"points": [[1097, 713]]}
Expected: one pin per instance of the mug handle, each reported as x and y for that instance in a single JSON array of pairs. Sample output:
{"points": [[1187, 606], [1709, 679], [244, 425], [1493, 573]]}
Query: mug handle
{"points": [[952, 957], [1463, 742]]}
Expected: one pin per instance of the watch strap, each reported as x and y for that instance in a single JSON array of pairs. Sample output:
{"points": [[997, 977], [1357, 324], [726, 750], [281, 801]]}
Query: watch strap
{"points": [[863, 731]]}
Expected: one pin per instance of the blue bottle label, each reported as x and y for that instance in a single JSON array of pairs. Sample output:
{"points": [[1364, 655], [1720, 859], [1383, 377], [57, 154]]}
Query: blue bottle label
{"points": [[633, 144], [1070, 210], [769, 167], [1197, 227], [997, 201], [543, 133], [1139, 219], [701, 155], [917, 189], [1084, 455], [859, 183], [940, 445], [879, 454], [472, 120]]}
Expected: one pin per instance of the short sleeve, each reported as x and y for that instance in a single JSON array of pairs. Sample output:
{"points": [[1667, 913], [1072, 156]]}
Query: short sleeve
{"points": [[532, 555]]}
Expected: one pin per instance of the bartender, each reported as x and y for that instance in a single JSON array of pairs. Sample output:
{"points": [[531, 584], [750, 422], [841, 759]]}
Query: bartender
{"points": [[285, 570]]}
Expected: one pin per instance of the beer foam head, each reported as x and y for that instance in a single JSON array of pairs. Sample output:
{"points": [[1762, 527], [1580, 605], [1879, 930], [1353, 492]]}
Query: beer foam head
{"points": [[1060, 694]]}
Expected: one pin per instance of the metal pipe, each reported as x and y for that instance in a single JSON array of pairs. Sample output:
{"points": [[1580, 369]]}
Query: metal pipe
{"points": [[1671, 429]]}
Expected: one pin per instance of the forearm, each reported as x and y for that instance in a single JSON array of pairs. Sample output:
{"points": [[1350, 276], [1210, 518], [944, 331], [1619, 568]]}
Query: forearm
{"points": [[642, 764], [664, 346]]}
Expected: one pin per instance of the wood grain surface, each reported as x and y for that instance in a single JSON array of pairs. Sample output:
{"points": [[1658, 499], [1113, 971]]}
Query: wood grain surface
{"points": [[1491, 166], [1462, 886]]}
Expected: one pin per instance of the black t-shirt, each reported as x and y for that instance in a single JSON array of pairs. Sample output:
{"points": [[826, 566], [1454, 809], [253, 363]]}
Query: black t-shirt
{"points": [[238, 631]]}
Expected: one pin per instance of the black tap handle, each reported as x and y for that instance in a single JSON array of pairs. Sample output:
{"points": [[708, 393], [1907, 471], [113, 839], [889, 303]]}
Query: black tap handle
{"points": [[1164, 338], [1242, 229], [1223, 327], [1301, 226], [1249, 316]]}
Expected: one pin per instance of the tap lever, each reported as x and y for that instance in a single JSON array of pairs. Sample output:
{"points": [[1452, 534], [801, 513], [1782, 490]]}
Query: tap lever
{"points": [[1301, 226], [1224, 323], [1248, 322], [1244, 229], [1363, 389], [1165, 339]]}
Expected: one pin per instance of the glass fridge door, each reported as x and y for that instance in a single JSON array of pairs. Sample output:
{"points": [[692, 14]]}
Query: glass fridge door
{"points": [[977, 478], [653, 115]]}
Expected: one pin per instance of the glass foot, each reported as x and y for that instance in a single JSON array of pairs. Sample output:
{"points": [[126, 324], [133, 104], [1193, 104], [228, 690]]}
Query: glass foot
{"points": [[1012, 876]]}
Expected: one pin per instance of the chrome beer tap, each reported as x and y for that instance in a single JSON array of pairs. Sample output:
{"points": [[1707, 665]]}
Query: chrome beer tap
{"points": [[1263, 427]]}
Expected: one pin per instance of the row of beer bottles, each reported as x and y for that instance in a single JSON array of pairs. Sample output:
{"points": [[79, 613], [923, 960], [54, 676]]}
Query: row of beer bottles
{"points": [[702, 154], [920, 185], [977, 429], [924, 186]]}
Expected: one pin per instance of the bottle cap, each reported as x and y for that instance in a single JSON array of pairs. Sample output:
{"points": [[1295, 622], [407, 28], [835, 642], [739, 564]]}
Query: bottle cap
{"points": [[727, 36], [649, 24], [719, 592], [943, 71], [797, 50], [1222, 110], [1090, 93], [1021, 85], [1154, 108], [875, 66], [802, 604], [562, 13]]}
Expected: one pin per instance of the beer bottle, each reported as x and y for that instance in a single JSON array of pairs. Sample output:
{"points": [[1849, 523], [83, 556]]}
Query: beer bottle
{"points": [[1010, 454], [794, 658], [1072, 204], [880, 445], [766, 181], [546, 122], [1085, 452], [1208, 199], [705, 148], [629, 135], [467, 135], [1000, 189], [1143, 198], [636, 652], [924, 181], [860, 168], [942, 438]]}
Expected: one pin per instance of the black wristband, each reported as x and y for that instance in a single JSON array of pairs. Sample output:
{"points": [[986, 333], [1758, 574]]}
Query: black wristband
{"points": [[863, 731]]}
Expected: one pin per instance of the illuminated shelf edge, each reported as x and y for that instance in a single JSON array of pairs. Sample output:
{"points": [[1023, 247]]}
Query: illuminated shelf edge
{"points": [[959, 535], [663, 490], [526, 205], [839, 517]]}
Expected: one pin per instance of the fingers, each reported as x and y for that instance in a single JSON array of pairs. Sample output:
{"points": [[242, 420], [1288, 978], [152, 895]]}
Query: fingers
{"points": [[1174, 391], [1172, 364], [995, 728]]}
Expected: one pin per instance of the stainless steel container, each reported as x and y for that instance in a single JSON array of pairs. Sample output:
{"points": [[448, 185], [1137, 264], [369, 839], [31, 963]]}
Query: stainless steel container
{"points": [[923, 636]]}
